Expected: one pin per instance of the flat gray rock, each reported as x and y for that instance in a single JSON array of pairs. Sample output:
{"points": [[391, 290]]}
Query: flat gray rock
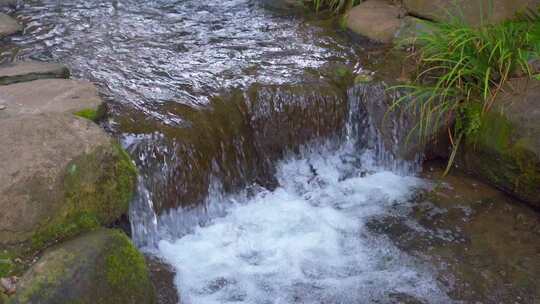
{"points": [[48, 96], [31, 70], [8, 26]]}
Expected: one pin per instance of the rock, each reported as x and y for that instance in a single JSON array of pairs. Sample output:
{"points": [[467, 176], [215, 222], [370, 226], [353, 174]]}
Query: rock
{"points": [[7, 285], [379, 20], [31, 70], [473, 12], [392, 126], [363, 77], [8, 26], [101, 266], [410, 29], [50, 96], [59, 175], [9, 3], [506, 150]]}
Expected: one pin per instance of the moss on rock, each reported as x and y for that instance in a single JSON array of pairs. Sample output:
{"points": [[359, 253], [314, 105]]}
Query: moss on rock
{"points": [[499, 153], [99, 267], [6, 264], [98, 187]]}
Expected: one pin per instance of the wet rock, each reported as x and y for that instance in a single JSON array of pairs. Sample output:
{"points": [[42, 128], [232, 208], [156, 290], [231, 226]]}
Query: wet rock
{"points": [[497, 261], [101, 266], [237, 139], [50, 96], [162, 276], [31, 70], [8, 25], [506, 150], [393, 125], [378, 20], [59, 175], [473, 12]]}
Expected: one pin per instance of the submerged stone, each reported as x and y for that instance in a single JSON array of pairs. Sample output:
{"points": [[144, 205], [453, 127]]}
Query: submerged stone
{"points": [[101, 266]]}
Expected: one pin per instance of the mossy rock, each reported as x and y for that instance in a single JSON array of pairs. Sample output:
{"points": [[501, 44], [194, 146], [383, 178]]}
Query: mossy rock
{"points": [[99, 267], [98, 187], [506, 149], [80, 179]]}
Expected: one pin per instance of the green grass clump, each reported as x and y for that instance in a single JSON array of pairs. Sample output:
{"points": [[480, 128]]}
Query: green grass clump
{"points": [[462, 71]]}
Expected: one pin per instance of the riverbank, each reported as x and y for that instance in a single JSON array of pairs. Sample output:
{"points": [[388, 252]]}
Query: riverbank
{"points": [[62, 177], [475, 97]]}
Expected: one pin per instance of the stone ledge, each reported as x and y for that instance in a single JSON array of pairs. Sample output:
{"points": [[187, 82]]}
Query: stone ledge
{"points": [[31, 70]]}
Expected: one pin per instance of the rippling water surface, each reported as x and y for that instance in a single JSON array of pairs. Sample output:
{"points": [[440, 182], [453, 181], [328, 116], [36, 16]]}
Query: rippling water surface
{"points": [[262, 179], [147, 53]]}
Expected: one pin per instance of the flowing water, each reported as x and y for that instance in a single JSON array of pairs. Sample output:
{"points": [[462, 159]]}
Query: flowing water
{"points": [[263, 178]]}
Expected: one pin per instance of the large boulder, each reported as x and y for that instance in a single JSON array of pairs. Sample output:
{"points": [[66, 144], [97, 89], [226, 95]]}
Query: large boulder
{"points": [[506, 149], [59, 175], [48, 96], [378, 20], [473, 12], [99, 267], [31, 70], [8, 26]]}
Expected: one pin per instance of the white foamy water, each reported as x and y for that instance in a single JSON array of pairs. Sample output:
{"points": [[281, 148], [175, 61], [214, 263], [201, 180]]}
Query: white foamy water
{"points": [[305, 242]]}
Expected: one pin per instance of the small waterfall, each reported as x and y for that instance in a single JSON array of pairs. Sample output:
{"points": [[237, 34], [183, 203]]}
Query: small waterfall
{"points": [[306, 239], [384, 132], [363, 135]]}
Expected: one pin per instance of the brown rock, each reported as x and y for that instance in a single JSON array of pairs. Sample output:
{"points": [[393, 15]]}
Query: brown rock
{"points": [[506, 150], [34, 153], [474, 12], [379, 20]]}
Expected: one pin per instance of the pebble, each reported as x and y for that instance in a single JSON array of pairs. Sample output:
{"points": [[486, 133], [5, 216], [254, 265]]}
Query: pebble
{"points": [[2, 107]]}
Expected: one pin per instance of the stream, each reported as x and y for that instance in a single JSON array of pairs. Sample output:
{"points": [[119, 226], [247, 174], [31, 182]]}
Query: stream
{"points": [[262, 179]]}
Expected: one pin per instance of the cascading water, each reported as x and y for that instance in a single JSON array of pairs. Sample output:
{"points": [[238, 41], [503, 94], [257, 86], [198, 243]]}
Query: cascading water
{"points": [[305, 241], [262, 180]]}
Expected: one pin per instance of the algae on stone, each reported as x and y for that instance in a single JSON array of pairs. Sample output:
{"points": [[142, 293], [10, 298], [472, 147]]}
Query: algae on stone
{"points": [[98, 187], [98, 267]]}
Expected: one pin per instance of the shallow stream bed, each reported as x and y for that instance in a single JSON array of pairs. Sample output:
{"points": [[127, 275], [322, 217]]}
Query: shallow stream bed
{"points": [[260, 181]]}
